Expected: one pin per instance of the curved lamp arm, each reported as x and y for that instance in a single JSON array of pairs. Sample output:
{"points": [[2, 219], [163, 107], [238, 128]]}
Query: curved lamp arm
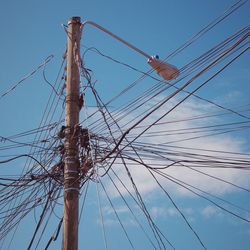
{"points": [[165, 70], [116, 37]]}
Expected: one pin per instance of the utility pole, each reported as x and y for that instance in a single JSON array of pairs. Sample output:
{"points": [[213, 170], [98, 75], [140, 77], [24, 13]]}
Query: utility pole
{"points": [[71, 132], [75, 136]]}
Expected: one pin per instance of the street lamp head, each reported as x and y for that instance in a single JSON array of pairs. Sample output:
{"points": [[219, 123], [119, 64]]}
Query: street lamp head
{"points": [[165, 70]]}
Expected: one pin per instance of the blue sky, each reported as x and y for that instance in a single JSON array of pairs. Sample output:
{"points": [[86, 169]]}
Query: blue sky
{"points": [[33, 30]]}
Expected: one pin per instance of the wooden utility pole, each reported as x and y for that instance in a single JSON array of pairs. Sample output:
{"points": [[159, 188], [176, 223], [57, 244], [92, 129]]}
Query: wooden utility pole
{"points": [[71, 155]]}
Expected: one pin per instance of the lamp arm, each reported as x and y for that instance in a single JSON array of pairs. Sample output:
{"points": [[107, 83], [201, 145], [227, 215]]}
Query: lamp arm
{"points": [[116, 37]]}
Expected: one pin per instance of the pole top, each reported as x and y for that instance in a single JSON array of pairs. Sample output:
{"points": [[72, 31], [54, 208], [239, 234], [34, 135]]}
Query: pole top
{"points": [[74, 19]]}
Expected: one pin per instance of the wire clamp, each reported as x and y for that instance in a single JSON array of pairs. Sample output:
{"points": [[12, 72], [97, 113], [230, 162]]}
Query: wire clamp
{"points": [[70, 160], [68, 171], [71, 189]]}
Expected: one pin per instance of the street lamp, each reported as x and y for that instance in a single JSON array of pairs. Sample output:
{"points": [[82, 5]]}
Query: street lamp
{"points": [[165, 70]]}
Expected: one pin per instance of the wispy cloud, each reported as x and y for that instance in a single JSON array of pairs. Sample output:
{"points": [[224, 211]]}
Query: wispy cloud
{"points": [[161, 212], [224, 142], [119, 210], [210, 211]]}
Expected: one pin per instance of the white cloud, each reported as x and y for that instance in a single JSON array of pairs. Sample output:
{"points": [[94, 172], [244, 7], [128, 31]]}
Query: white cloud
{"points": [[180, 120], [160, 212], [163, 212], [110, 216], [210, 211], [119, 210]]}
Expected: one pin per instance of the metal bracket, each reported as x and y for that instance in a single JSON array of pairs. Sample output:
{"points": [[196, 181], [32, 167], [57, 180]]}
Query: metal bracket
{"points": [[70, 160], [71, 189], [71, 171]]}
